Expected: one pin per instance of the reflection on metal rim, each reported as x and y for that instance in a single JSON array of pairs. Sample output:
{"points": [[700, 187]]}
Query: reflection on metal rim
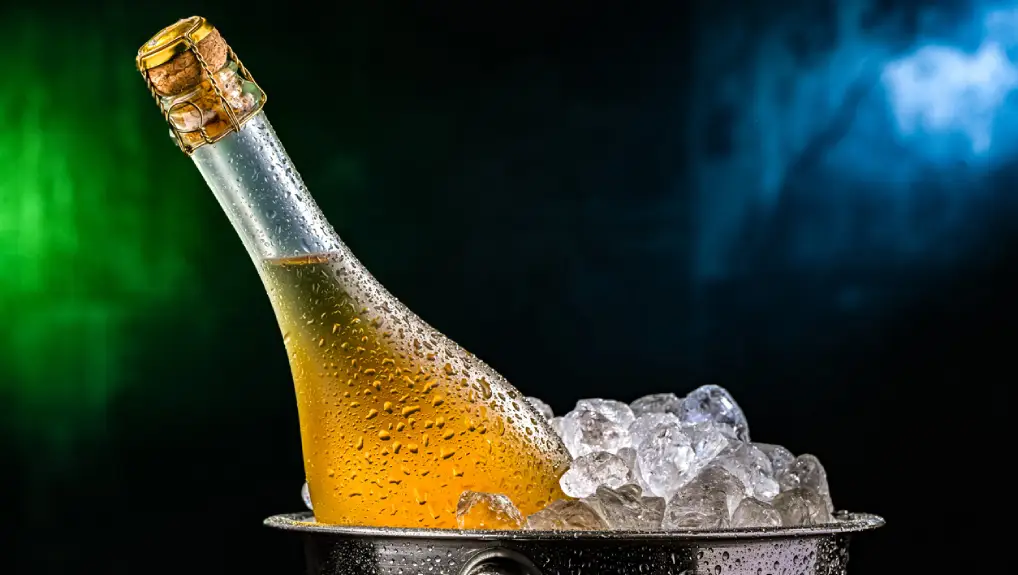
{"points": [[845, 523]]}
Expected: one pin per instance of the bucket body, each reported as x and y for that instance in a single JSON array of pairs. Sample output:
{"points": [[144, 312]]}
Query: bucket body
{"points": [[336, 550]]}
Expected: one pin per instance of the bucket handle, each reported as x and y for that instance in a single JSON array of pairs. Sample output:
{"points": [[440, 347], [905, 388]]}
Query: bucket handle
{"points": [[500, 561]]}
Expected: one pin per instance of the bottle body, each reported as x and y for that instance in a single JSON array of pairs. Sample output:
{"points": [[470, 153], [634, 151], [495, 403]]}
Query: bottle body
{"points": [[396, 419]]}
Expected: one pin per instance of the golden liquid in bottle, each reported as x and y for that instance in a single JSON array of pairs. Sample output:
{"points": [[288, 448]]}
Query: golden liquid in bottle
{"points": [[397, 420]]}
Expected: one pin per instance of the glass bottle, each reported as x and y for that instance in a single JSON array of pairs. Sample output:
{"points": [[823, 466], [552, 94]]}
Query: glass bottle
{"points": [[396, 419]]}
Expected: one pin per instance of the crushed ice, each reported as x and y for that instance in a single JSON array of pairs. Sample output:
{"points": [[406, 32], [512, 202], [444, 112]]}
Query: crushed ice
{"points": [[666, 462], [305, 494]]}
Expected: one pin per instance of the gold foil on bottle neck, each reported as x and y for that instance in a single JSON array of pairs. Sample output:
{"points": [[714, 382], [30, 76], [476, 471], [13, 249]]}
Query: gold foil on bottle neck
{"points": [[202, 88], [170, 41]]}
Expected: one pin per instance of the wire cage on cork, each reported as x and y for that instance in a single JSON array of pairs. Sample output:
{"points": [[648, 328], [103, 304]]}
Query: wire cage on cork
{"points": [[199, 83]]}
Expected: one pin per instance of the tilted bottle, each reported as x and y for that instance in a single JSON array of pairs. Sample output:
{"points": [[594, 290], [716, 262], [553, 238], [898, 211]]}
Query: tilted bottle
{"points": [[396, 420]]}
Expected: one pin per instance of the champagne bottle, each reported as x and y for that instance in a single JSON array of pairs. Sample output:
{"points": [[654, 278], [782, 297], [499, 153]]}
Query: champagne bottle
{"points": [[396, 419]]}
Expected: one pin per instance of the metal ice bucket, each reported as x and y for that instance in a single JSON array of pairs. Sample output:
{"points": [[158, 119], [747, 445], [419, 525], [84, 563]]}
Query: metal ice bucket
{"points": [[333, 550]]}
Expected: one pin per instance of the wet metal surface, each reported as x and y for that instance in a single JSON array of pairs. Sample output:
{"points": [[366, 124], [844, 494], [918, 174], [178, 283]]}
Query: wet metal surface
{"points": [[338, 550]]}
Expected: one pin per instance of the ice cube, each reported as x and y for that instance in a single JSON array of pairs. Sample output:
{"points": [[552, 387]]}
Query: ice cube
{"points": [[708, 442], [801, 507], [706, 502], [755, 513], [720, 478], [590, 471], [663, 458], [477, 510], [753, 469], [656, 403], [565, 515], [597, 425], [663, 471], [541, 407], [556, 425], [305, 494], [625, 509], [628, 454], [780, 457], [618, 412], [695, 508], [714, 403], [644, 424], [807, 471]]}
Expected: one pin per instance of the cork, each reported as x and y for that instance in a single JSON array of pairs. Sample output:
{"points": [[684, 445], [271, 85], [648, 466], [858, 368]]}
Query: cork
{"points": [[183, 72]]}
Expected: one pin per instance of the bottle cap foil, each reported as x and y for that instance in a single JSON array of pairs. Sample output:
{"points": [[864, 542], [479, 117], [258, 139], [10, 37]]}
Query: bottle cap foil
{"points": [[203, 90]]}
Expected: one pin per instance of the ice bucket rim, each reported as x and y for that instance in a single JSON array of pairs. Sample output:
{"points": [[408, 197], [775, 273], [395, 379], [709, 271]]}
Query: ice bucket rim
{"points": [[845, 523]]}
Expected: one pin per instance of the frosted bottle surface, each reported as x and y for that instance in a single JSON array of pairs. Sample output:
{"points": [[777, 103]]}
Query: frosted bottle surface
{"points": [[397, 421]]}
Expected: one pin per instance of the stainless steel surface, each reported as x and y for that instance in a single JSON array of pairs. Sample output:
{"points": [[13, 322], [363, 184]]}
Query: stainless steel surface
{"points": [[337, 550]]}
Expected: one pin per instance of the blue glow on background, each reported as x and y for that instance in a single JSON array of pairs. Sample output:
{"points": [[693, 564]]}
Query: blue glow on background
{"points": [[876, 148], [941, 90]]}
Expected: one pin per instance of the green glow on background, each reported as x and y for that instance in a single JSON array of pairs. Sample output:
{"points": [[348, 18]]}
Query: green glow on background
{"points": [[98, 224]]}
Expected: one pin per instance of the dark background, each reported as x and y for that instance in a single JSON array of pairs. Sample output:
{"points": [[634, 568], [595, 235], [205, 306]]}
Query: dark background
{"points": [[574, 193]]}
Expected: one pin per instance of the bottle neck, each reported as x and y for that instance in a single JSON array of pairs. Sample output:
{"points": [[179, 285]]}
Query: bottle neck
{"points": [[263, 195]]}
